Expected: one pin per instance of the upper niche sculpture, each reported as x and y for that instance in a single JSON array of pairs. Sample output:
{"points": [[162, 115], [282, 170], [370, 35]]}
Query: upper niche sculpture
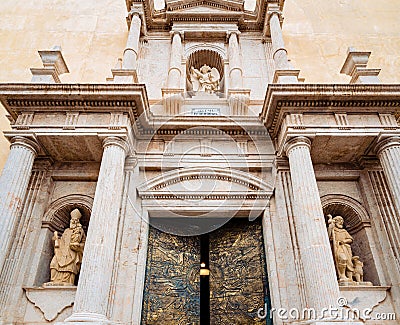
{"points": [[348, 267], [205, 79]]}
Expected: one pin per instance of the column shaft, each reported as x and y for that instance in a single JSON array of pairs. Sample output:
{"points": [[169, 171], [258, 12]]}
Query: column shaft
{"points": [[278, 45], [13, 186], [132, 45], [389, 156], [98, 256], [235, 66], [319, 271], [175, 69]]}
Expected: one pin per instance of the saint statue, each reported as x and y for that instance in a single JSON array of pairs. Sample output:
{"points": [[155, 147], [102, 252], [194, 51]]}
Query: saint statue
{"points": [[68, 252], [340, 242], [206, 79]]}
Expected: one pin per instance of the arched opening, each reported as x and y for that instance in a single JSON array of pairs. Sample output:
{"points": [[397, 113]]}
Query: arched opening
{"points": [[358, 225], [57, 218], [203, 57]]}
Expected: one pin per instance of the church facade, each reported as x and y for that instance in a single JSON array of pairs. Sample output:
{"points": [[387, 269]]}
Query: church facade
{"points": [[203, 183]]}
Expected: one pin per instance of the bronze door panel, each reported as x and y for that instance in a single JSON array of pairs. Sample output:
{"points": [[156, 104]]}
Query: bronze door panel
{"points": [[172, 292], [238, 286]]}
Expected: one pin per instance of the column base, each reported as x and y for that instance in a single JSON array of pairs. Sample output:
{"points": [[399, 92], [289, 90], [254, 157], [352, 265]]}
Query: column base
{"points": [[286, 76], [89, 318]]}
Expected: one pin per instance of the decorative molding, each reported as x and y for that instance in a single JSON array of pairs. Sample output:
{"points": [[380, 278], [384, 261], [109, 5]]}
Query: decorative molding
{"points": [[219, 11], [71, 120], [243, 148], [388, 121], [116, 121], [24, 121], [205, 147], [296, 121], [218, 196], [342, 121], [51, 301], [160, 182], [281, 99]]}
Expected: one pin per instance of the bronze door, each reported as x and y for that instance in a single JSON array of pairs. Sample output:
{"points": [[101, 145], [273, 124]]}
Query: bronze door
{"points": [[238, 281], [172, 292], [237, 287]]}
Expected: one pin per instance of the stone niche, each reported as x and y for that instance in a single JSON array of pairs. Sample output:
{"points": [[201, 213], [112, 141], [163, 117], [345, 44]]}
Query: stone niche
{"points": [[211, 58], [357, 223], [54, 303]]}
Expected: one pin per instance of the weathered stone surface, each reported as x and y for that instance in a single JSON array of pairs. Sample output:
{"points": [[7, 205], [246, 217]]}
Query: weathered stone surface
{"points": [[51, 300]]}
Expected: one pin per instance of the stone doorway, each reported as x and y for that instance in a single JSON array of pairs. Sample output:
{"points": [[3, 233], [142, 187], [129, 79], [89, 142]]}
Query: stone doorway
{"points": [[237, 286]]}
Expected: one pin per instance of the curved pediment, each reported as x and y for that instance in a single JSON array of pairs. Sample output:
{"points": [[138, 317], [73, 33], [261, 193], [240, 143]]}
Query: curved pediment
{"points": [[216, 5], [205, 183], [161, 15]]}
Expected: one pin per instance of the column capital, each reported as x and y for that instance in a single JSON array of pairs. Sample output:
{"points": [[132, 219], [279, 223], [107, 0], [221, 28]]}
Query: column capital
{"points": [[27, 143], [116, 141], [135, 12], [274, 9], [229, 33], [174, 32], [297, 142], [386, 144]]}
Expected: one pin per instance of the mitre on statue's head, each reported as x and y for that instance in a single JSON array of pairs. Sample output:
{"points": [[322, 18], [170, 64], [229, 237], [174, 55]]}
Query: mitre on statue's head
{"points": [[76, 214]]}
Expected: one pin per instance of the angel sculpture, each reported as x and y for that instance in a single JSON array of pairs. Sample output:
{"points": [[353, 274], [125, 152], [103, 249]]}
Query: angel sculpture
{"points": [[206, 79]]}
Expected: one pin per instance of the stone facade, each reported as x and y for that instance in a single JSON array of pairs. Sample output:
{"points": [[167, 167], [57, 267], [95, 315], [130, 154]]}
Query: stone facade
{"points": [[146, 150]]}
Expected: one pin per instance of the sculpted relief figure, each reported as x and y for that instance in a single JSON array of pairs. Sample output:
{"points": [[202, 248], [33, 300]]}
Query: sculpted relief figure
{"points": [[68, 252], [340, 241], [349, 268], [206, 79]]}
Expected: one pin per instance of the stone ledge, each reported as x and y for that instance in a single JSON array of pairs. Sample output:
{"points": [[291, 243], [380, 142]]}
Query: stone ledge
{"points": [[364, 297]]}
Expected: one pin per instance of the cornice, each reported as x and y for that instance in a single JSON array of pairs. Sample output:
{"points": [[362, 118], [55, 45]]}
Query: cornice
{"points": [[321, 98], [129, 98], [230, 11]]}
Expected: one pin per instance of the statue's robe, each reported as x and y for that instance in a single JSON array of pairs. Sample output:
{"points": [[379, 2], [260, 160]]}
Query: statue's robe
{"points": [[67, 259]]}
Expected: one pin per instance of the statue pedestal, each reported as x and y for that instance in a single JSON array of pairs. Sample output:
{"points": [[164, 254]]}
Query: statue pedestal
{"points": [[51, 300], [205, 96]]}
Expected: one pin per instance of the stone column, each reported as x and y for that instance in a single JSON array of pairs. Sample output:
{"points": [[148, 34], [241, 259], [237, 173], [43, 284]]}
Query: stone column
{"points": [[322, 289], [284, 71], [13, 186], [98, 257], [235, 66], [175, 65], [388, 151], [129, 61], [278, 45]]}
